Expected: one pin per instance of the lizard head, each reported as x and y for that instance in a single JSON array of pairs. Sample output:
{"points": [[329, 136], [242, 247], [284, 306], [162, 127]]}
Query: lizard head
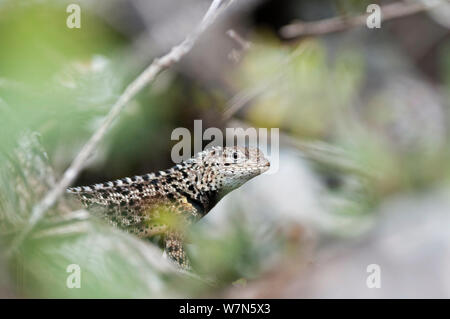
{"points": [[228, 168]]}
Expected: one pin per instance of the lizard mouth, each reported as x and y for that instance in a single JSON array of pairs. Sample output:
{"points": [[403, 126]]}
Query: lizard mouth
{"points": [[265, 167]]}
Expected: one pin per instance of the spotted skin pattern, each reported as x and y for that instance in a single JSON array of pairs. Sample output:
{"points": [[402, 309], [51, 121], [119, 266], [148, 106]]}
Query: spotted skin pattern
{"points": [[165, 203]]}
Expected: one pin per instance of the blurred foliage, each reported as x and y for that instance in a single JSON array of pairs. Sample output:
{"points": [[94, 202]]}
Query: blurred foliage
{"points": [[316, 94], [366, 143], [310, 90], [112, 265], [53, 78], [235, 252]]}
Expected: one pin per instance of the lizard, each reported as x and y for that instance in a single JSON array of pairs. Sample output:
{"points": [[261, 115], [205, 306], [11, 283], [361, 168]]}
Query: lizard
{"points": [[166, 202]]}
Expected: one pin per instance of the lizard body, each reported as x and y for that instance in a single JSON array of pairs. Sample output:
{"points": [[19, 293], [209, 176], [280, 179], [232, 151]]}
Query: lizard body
{"points": [[166, 202]]}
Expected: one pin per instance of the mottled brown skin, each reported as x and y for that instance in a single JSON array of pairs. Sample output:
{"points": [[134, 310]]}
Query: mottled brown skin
{"points": [[166, 202]]}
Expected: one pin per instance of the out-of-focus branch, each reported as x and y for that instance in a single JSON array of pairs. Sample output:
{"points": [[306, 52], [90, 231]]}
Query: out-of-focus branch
{"points": [[236, 54], [245, 45], [146, 77], [388, 12]]}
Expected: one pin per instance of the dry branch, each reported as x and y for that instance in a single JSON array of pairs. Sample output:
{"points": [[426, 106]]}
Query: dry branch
{"points": [[388, 12]]}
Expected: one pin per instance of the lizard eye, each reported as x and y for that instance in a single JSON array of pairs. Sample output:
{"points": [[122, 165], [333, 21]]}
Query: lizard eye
{"points": [[235, 155]]}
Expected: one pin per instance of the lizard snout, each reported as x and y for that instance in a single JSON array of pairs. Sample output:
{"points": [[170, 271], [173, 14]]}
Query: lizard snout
{"points": [[265, 165]]}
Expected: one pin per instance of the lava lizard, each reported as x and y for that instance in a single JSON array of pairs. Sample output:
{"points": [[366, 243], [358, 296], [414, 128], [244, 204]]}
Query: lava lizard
{"points": [[164, 203]]}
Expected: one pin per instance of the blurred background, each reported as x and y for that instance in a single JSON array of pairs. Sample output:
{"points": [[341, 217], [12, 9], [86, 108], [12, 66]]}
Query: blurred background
{"points": [[364, 166]]}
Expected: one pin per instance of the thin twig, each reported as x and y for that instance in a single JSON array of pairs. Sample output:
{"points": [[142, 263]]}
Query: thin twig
{"points": [[388, 12], [236, 54], [146, 77], [245, 45]]}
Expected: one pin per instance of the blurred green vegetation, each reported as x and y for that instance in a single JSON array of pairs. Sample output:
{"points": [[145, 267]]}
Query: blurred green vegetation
{"points": [[54, 79], [315, 96], [60, 83]]}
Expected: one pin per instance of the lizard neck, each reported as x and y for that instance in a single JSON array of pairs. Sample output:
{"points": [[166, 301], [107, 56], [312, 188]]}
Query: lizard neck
{"points": [[186, 180], [197, 182], [211, 198]]}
